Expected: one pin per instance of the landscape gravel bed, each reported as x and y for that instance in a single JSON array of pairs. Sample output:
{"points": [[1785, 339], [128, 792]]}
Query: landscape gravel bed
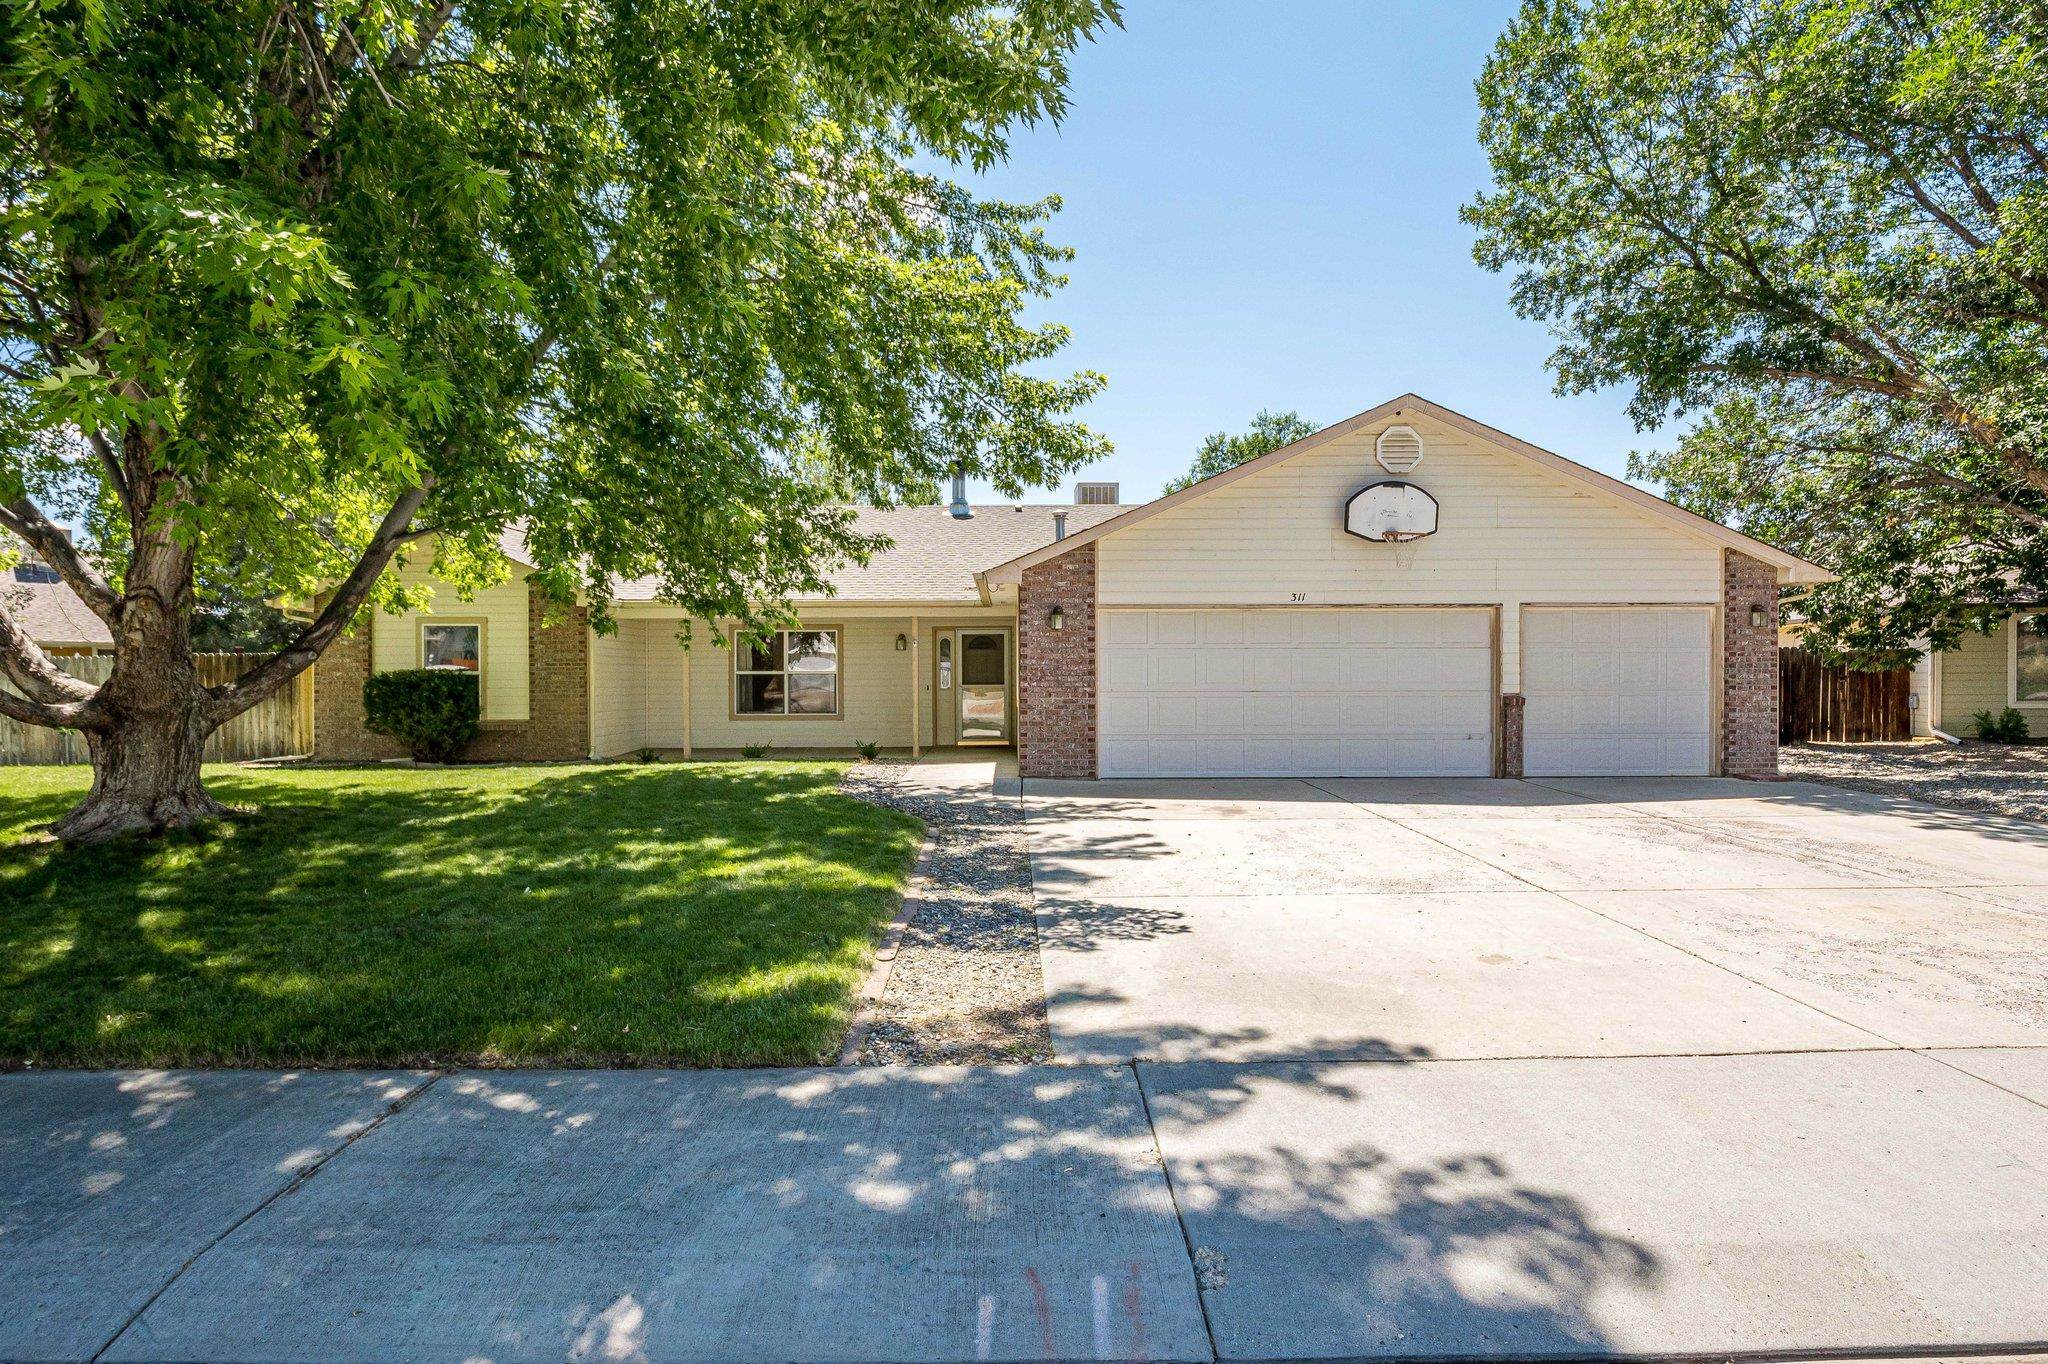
{"points": [[2003, 779], [966, 987]]}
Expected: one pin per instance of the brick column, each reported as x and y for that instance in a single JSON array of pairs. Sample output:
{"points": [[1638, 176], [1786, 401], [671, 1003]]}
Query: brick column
{"points": [[557, 691], [338, 674], [1056, 668], [1512, 704], [1749, 668]]}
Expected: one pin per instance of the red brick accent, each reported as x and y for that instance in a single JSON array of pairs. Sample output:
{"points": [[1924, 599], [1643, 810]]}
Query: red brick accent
{"points": [[1056, 668], [558, 696], [1512, 706], [1749, 668]]}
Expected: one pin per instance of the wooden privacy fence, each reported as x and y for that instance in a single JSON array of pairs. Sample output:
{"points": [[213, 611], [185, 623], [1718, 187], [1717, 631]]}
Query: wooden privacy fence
{"points": [[279, 726], [1834, 705]]}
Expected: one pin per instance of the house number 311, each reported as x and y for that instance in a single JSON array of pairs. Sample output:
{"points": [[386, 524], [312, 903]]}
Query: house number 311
{"points": [[1297, 596]]}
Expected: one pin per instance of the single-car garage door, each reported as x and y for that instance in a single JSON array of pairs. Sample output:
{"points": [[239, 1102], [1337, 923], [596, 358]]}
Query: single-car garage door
{"points": [[1617, 691], [1296, 692]]}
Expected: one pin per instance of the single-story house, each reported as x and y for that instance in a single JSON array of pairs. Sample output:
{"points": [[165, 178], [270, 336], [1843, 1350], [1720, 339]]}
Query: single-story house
{"points": [[1407, 592], [44, 605], [2008, 667]]}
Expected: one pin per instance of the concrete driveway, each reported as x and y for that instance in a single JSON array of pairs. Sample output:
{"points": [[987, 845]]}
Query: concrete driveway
{"points": [[1685, 1067], [1359, 919]]}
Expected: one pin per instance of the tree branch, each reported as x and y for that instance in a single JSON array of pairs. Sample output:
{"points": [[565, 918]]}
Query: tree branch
{"points": [[48, 695], [430, 26], [232, 698], [49, 541]]}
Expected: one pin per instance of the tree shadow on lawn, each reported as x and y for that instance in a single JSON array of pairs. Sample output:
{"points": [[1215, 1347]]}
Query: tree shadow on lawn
{"points": [[571, 915]]}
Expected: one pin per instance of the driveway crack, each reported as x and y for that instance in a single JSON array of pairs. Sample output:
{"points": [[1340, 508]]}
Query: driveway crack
{"points": [[1187, 1239], [292, 1185]]}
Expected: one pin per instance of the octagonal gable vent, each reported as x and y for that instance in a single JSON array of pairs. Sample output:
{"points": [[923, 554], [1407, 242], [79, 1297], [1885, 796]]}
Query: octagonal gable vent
{"points": [[1399, 449]]}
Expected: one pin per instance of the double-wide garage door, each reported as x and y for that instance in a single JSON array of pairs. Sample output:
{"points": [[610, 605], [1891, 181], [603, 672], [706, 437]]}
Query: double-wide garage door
{"points": [[1369, 692], [1400, 692]]}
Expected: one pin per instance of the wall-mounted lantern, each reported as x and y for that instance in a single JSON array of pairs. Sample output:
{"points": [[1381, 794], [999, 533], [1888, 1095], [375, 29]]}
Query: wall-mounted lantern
{"points": [[902, 643], [1757, 618], [1057, 618]]}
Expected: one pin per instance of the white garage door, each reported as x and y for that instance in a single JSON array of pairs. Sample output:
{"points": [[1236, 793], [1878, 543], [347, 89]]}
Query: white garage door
{"points": [[1371, 692], [1617, 692]]}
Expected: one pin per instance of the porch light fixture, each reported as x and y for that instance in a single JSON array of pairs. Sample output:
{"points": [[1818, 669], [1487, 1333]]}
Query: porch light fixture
{"points": [[902, 643], [1756, 617], [1057, 618]]}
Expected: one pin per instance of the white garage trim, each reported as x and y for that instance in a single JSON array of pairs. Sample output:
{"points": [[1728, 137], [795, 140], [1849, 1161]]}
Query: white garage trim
{"points": [[1222, 690], [1684, 738]]}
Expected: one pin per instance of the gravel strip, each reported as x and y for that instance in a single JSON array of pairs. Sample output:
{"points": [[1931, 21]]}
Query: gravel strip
{"points": [[966, 988], [1999, 779]]}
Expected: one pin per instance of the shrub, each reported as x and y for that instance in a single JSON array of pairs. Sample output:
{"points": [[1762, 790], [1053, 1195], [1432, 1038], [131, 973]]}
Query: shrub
{"points": [[647, 755], [755, 751], [2006, 727], [868, 748], [434, 712]]}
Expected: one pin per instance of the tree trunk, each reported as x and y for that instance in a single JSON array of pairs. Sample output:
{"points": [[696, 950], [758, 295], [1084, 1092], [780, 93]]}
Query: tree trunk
{"points": [[153, 715], [145, 778]]}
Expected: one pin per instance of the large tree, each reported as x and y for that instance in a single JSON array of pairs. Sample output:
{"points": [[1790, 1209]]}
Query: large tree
{"points": [[292, 288], [1820, 228], [1226, 450]]}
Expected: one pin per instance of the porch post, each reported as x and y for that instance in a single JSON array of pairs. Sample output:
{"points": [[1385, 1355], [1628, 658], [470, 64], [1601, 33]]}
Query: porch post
{"points": [[916, 719]]}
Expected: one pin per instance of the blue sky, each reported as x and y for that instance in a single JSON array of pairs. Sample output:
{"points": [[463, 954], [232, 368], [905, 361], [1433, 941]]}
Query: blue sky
{"points": [[1263, 201]]}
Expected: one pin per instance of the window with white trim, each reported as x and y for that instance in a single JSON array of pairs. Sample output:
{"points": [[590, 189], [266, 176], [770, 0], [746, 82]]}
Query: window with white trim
{"points": [[791, 672], [2030, 659]]}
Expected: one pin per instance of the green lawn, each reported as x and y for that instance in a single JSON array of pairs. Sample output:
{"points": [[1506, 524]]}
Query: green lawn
{"points": [[721, 914]]}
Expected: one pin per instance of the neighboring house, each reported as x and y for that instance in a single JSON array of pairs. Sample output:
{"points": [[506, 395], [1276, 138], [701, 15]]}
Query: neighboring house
{"points": [[2008, 667], [50, 611], [1407, 592]]}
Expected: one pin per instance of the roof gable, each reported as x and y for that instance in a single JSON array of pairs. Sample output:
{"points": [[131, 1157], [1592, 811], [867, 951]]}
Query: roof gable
{"points": [[1790, 568]]}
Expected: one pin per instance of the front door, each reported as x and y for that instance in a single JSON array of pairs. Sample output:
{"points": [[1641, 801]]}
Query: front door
{"points": [[984, 689]]}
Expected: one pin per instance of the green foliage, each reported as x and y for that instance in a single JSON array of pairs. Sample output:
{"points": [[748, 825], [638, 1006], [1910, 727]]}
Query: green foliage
{"points": [[434, 712], [868, 748], [708, 915], [665, 279], [1821, 226], [755, 752], [2007, 726], [1222, 450], [647, 755]]}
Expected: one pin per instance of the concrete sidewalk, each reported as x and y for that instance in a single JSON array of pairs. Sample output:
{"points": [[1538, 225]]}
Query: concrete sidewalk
{"points": [[1868, 1202]]}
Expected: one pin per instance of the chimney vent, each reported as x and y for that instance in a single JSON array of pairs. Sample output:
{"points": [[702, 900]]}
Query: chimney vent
{"points": [[1095, 494], [1059, 525], [961, 511]]}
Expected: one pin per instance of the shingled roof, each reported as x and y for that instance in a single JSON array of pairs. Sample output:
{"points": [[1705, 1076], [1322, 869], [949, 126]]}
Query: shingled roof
{"points": [[51, 612], [935, 554]]}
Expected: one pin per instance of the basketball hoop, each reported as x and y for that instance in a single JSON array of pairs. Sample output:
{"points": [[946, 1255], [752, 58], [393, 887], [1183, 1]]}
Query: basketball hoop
{"points": [[1392, 512]]}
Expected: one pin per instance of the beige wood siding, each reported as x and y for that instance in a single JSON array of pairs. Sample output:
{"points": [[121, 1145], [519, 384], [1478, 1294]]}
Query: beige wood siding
{"points": [[1975, 676], [663, 664], [1923, 688], [874, 694], [618, 693], [1510, 532], [395, 639]]}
